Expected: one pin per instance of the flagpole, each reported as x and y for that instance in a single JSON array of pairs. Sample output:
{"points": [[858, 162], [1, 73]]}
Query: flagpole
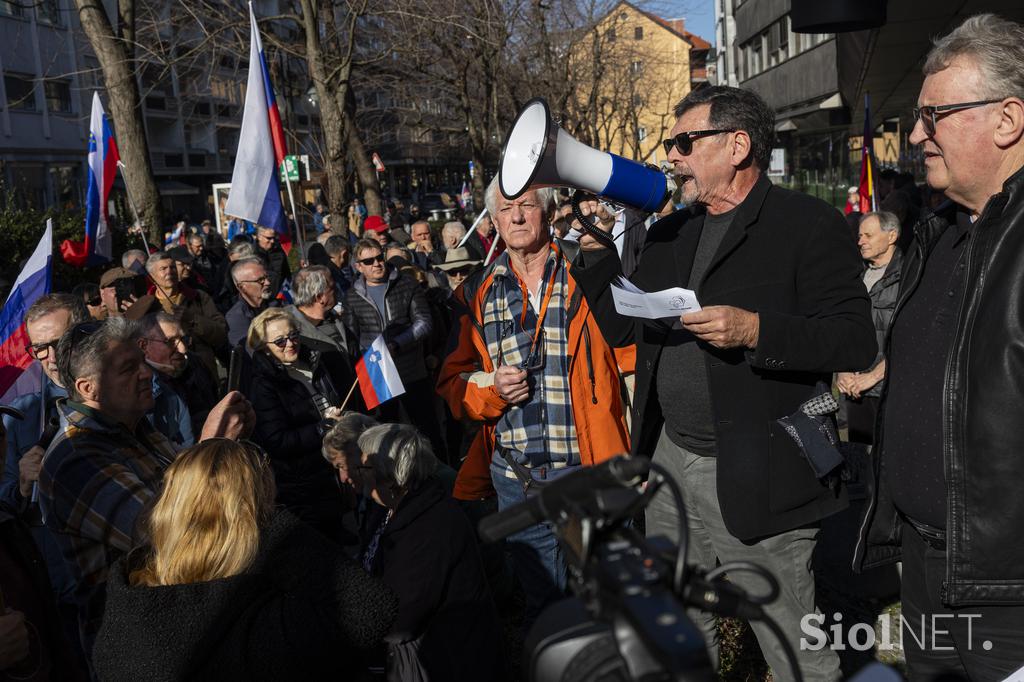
{"points": [[472, 227], [494, 245], [135, 210], [345, 402], [295, 214]]}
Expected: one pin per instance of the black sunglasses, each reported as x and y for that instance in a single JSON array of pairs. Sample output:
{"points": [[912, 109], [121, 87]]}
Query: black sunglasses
{"points": [[94, 301], [283, 341], [929, 114], [684, 141], [372, 259]]}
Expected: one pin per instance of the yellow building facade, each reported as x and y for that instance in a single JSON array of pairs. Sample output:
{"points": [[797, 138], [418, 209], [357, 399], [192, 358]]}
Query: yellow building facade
{"points": [[633, 68]]}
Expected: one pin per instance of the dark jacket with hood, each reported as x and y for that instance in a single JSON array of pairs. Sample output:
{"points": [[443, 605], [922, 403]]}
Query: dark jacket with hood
{"points": [[447, 626], [300, 612], [983, 435]]}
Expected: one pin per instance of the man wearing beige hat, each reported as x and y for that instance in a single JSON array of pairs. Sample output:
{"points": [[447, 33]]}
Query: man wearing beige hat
{"points": [[458, 265]]}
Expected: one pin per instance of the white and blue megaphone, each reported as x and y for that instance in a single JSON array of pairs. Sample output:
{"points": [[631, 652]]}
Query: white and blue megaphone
{"points": [[538, 153]]}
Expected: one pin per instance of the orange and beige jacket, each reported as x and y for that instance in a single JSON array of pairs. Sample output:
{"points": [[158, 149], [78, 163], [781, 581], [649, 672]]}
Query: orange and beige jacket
{"points": [[466, 382]]}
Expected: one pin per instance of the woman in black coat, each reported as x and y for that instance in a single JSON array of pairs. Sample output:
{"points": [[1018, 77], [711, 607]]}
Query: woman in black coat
{"points": [[232, 590], [423, 547], [296, 392]]}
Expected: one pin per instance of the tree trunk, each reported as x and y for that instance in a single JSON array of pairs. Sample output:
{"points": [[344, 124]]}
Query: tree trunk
{"points": [[364, 166], [331, 117], [116, 57]]}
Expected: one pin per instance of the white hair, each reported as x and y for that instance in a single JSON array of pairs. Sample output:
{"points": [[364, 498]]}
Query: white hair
{"points": [[545, 195], [399, 453]]}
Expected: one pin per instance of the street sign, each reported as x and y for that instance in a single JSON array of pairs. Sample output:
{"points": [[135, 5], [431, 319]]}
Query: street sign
{"points": [[378, 165], [290, 168]]}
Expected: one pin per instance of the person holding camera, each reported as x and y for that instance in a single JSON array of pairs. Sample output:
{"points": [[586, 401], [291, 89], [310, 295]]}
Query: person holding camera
{"points": [[298, 387], [229, 588]]}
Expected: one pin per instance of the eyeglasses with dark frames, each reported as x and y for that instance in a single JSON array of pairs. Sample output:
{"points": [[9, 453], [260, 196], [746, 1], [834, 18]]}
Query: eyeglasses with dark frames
{"points": [[172, 342], [684, 140], [928, 115], [283, 341], [41, 351], [265, 279]]}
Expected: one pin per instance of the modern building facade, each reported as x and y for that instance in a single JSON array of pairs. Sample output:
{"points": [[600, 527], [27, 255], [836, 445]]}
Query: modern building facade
{"points": [[192, 114]]}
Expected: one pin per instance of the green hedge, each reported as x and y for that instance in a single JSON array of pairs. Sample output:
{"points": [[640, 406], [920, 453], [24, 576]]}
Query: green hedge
{"points": [[21, 230]]}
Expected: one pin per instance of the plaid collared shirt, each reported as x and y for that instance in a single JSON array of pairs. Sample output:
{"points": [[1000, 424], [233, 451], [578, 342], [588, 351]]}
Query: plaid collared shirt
{"points": [[97, 477], [542, 430]]}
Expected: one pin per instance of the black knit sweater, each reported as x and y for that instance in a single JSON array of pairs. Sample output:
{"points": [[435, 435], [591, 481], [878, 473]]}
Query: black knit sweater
{"points": [[301, 611]]}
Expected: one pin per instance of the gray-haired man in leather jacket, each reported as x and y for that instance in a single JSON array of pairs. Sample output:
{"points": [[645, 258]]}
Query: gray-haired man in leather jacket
{"points": [[950, 449]]}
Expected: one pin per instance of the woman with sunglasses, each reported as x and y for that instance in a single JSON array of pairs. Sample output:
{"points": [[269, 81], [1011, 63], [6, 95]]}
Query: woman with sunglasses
{"points": [[298, 387], [90, 294], [228, 588]]}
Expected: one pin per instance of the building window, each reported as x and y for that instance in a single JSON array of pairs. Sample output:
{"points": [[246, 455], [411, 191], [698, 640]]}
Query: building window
{"points": [[58, 96], [638, 33], [638, 100], [636, 67], [21, 95], [48, 12], [611, 35], [641, 134]]}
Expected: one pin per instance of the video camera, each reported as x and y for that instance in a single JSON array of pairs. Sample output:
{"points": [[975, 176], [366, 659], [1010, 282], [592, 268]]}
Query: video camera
{"points": [[627, 620]]}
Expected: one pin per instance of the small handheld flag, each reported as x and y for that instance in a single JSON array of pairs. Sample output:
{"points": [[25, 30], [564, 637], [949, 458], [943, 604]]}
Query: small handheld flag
{"points": [[103, 158], [378, 375]]}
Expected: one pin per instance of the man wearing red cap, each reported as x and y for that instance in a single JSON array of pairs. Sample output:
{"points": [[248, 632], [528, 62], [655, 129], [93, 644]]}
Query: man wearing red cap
{"points": [[375, 228]]}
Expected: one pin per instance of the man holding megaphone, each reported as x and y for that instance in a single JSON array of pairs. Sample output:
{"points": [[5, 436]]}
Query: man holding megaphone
{"points": [[777, 277]]}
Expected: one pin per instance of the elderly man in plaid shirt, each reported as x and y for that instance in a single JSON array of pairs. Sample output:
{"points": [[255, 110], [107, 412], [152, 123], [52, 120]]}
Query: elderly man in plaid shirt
{"points": [[531, 365], [107, 462]]}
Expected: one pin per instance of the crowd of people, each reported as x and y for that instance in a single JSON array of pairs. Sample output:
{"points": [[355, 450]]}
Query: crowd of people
{"points": [[199, 490]]}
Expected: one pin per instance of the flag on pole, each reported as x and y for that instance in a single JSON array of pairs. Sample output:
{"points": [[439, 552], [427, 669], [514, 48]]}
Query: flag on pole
{"points": [[378, 375], [465, 197], [255, 194], [33, 282], [867, 185], [103, 158]]}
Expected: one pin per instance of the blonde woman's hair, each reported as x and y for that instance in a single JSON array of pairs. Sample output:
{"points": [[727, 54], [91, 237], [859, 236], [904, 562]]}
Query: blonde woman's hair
{"points": [[206, 522], [257, 339]]}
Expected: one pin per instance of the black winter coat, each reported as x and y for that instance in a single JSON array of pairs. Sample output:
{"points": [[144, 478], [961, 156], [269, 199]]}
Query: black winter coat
{"points": [[407, 322], [300, 612], [983, 438], [447, 624], [289, 425], [786, 256]]}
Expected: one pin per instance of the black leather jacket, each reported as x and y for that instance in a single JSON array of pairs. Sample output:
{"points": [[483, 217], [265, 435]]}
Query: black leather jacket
{"points": [[983, 434]]}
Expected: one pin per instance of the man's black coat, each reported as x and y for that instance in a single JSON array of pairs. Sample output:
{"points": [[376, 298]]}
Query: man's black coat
{"points": [[787, 257]]}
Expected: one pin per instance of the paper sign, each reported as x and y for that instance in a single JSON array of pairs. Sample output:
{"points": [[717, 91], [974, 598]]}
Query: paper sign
{"points": [[631, 301]]}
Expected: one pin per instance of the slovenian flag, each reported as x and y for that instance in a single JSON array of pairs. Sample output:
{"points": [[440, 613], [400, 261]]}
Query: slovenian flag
{"points": [[255, 194], [378, 375], [33, 282], [103, 158]]}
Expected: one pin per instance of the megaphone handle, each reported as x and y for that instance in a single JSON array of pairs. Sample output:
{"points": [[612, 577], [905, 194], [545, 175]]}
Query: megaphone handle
{"points": [[587, 224]]}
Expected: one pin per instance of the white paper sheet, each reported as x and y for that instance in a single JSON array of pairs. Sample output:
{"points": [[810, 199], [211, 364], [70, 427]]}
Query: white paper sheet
{"points": [[631, 301]]}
